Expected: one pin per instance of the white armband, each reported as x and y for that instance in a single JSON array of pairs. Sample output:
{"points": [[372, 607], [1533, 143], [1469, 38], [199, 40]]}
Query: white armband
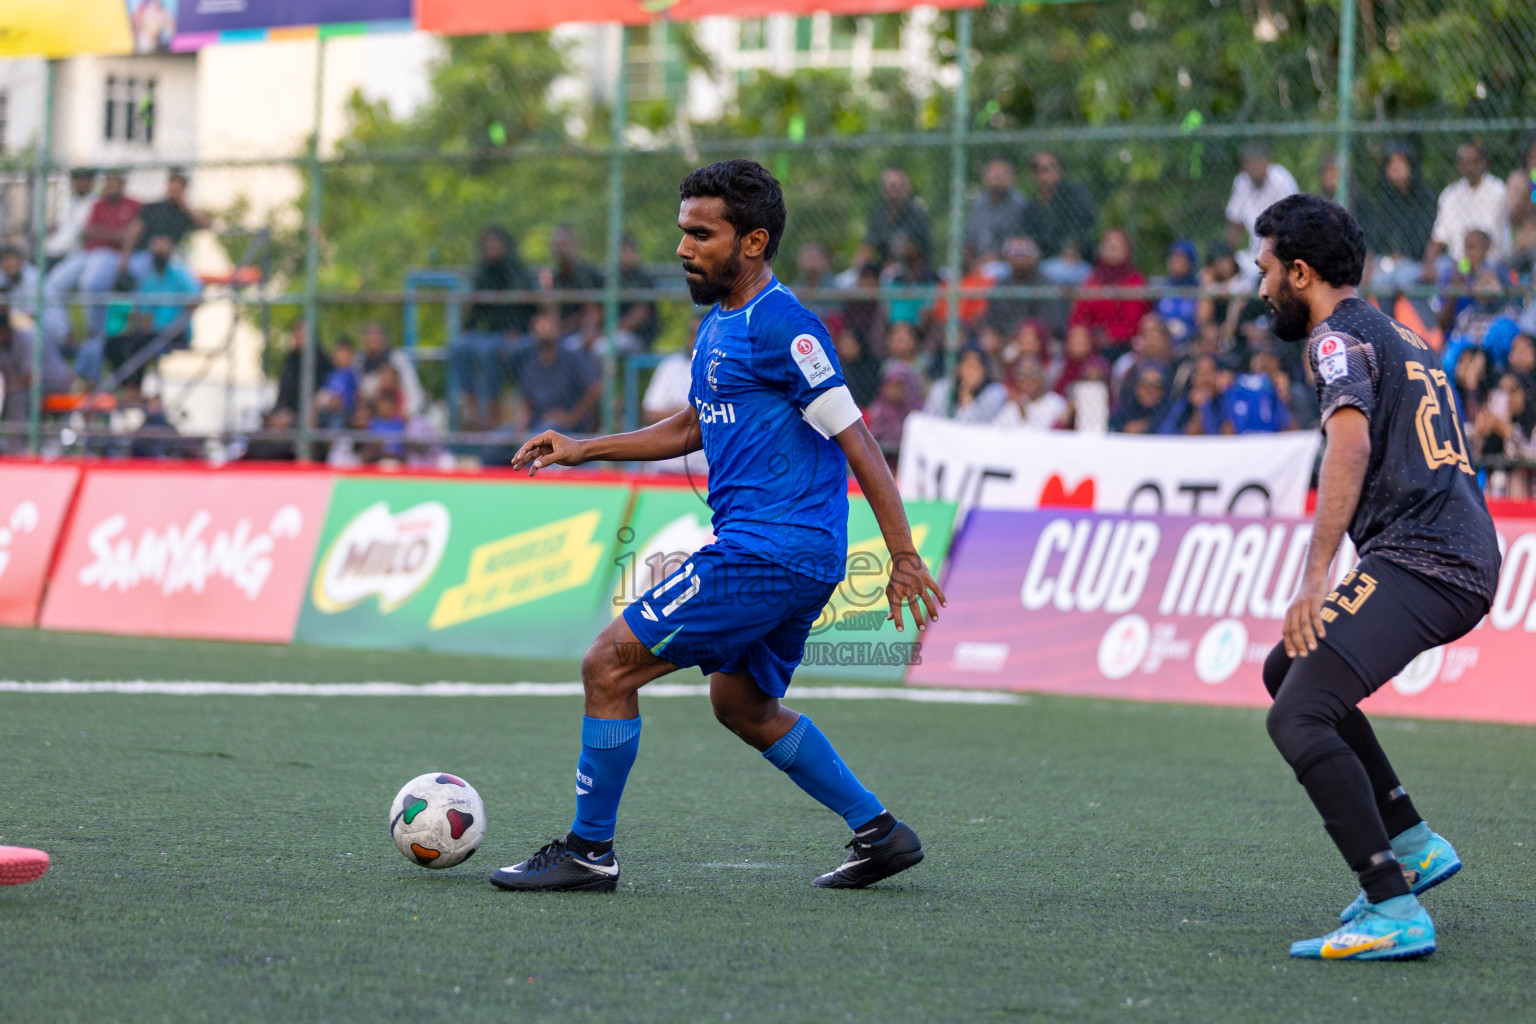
{"points": [[833, 411]]}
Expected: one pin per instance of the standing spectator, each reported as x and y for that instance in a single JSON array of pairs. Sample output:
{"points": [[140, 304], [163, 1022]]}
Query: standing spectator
{"points": [[908, 269], [1146, 407], [18, 281], [170, 217], [997, 214], [1022, 263], [1520, 207], [1115, 320], [1475, 201], [1180, 313], [638, 322], [559, 389], [1398, 218], [66, 238], [490, 329], [378, 353], [898, 398], [1259, 185], [290, 373], [338, 395], [897, 213], [1032, 404], [570, 274], [1061, 211], [94, 268]]}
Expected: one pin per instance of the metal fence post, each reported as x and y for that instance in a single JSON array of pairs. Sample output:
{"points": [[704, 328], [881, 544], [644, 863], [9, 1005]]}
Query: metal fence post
{"points": [[1347, 17], [39, 240], [959, 129], [615, 232], [307, 356]]}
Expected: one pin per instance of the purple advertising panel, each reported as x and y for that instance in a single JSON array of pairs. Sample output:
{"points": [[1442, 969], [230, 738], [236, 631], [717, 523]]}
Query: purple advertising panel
{"points": [[1185, 609], [227, 15]]}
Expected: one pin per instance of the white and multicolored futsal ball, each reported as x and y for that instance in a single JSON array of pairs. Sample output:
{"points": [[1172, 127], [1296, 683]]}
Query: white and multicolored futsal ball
{"points": [[437, 820]]}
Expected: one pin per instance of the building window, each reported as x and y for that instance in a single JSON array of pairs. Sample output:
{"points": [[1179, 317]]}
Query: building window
{"points": [[845, 29], [887, 31], [803, 35], [754, 33], [5, 117], [129, 114]]}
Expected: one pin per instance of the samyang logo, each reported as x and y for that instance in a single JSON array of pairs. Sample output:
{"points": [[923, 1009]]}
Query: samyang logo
{"points": [[378, 554]]}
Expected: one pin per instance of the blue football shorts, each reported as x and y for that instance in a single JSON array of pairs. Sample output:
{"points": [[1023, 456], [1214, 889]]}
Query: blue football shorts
{"points": [[727, 610]]}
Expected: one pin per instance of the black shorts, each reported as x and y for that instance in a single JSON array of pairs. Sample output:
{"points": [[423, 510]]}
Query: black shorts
{"points": [[1381, 616]]}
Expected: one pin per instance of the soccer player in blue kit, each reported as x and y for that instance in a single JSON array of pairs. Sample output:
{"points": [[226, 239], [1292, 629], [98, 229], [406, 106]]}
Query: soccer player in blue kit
{"points": [[780, 430]]}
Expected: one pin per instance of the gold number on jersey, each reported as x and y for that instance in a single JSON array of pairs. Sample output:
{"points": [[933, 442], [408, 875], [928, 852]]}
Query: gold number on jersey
{"points": [[1437, 453]]}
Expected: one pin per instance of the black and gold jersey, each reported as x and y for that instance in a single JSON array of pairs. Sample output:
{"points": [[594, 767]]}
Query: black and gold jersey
{"points": [[1421, 506]]}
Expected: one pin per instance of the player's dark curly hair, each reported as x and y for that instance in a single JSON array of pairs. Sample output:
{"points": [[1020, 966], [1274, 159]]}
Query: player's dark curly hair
{"points": [[1318, 232], [753, 198]]}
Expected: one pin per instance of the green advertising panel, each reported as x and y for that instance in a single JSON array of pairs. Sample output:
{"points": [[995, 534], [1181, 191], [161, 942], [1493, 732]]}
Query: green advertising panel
{"points": [[486, 567], [851, 639]]}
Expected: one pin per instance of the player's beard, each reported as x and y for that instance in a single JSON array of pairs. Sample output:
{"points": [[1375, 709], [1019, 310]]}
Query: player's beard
{"points": [[714, 287], [1289, 317]]}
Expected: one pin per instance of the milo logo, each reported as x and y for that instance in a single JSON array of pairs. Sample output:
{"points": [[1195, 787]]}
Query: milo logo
{"points": [[377, 554]]}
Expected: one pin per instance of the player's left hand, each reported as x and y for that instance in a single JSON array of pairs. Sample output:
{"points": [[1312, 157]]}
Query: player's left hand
{"points": [[1304, 619], [913, 585]]}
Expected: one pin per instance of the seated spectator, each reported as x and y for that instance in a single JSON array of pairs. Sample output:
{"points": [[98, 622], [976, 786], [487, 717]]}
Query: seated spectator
{"points": [[866, 316], [1151, 344], [1470, 383], [1021, 259], [1061, 212], [1114, 319], [970, 395], [69, 233], [157, 438], [18, 281], [490, 330], [170, 217], [1520, 207], [16, 369], [1502, 427], [813, 265], [899, 397], [908, 269], [1146, 407], [378, 354], [861, 371], [164, 295], [337, 397], [1476, 307], [897, 213], [901, 346], [1031, 403], [1255, 403], [667, 393], [1031, 341], [1522, 363], [1080, 361], [1067, 268], [94, 267], [272, 449], [1475, 201], [569, 273], [975, 278], [1229, 293], [1180, 314], [1397, 217], [558, 389], [1299, 397], [1201, 410], [996, 214], [386, 420], [638, 320]]}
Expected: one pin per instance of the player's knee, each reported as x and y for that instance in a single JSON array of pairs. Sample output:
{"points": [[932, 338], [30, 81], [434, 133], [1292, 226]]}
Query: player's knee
{"points": [[1275, 667], [602, 674]]}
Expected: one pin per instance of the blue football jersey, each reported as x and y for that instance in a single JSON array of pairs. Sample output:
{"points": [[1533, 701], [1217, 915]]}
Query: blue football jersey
{"points": [[778, 488]]}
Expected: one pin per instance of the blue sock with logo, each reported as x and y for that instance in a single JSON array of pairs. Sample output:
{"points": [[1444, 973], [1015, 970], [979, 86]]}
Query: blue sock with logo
{"points": [[805, 756], [608, 749]]}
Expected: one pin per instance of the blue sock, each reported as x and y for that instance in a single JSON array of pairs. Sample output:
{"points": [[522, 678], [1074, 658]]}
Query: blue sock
{"points": [[1411, 840], [805, 756], [1399, 906], [608, 749]]}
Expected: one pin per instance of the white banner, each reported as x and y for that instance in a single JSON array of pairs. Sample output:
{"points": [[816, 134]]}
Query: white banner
{"points": [[1017, 468]]}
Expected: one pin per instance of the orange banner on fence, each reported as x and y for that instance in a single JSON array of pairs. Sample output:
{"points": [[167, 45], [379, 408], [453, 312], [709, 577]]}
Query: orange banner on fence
{"points": [[219, 555], [472, 17], [34, 502]]}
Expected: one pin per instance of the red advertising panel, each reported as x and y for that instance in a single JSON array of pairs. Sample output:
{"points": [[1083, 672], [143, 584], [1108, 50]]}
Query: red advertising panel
{"points": [[34, 501], [221, 554], [1186, 609]]}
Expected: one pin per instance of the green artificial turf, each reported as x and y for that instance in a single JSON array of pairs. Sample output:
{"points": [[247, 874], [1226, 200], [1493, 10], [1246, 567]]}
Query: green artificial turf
{"points": [[226, 859]]}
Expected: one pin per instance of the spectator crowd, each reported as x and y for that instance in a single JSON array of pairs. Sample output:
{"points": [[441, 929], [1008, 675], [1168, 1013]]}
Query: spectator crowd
{"points": [[1064, 324]]}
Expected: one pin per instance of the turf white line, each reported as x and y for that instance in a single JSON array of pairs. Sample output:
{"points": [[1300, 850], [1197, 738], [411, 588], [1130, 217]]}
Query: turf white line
{"points": [[203, 688]]}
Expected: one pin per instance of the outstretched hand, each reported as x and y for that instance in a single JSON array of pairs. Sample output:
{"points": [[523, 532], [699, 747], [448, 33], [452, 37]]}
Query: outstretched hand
{"points": [[913, 585], [549, 449]]}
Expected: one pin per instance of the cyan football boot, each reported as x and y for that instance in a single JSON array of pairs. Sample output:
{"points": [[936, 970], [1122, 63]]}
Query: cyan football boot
{"points": [[1425, 868], [1373, 935]]}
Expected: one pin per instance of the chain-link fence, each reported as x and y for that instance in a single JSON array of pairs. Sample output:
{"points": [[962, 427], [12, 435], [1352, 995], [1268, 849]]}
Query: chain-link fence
{"points": [[912, 178]]}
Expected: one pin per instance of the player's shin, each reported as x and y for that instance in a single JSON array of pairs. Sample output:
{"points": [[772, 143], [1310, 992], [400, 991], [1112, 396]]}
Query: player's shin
{"points": [[608, 749], [805, 755]]}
